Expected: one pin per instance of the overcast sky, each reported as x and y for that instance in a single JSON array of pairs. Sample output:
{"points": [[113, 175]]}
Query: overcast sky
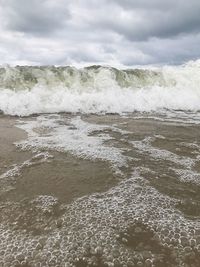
{"points": [[114, 32]]}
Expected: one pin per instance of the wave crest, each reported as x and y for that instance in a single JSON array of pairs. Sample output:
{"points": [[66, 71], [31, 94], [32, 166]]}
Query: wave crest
{"points": [[25, 90]]}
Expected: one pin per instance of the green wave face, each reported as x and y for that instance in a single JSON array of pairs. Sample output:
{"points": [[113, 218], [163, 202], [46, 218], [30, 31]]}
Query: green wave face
{"points": [[26, 77]]}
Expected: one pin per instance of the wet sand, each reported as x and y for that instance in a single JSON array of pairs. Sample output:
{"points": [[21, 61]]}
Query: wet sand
{"points": [[99, 191], [63, 176], [8, 135]]}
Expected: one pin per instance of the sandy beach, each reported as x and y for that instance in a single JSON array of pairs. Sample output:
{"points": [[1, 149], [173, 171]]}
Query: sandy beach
{"points": [[75, 186]]}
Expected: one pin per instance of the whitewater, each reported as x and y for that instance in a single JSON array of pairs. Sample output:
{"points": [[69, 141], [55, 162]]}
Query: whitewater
{"points": [[26, 90]]}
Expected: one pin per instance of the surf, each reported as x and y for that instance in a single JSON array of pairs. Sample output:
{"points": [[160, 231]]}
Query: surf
{"points": [[26, 90]]}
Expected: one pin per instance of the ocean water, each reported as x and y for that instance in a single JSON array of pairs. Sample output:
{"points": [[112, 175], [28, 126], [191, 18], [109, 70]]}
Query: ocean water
{"points": [[29, 90], [100, 166]]}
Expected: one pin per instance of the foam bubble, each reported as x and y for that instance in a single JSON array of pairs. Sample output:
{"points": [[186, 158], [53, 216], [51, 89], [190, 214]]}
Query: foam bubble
{"points": [[15, 170], [188, 176], [74, 135], [130, 223], [145, 146]]}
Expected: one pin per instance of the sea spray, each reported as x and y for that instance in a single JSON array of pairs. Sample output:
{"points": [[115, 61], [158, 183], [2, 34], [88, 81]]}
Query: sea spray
{"points": [[26, 90]]}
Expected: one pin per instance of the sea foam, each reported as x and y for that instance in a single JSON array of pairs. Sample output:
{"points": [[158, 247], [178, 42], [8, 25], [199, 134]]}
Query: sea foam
{"points": [[28, 90]]}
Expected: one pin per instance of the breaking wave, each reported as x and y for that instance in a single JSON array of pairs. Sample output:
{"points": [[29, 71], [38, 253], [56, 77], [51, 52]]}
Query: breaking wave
{"points": [[25, 90]]}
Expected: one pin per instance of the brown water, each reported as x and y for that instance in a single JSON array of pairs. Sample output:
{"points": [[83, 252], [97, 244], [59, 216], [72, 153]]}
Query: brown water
{"points": [[88, 190]]}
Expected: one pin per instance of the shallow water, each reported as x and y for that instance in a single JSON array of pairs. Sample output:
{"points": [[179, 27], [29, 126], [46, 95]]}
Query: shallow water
{"points": [[89, 190]]}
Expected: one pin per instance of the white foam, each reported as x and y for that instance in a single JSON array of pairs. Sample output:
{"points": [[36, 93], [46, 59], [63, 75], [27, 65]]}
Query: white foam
{"points": [[171, 117], [71, 135], [102, 92], [97, 220], [145, 146], [15, 170], [188, 176]]}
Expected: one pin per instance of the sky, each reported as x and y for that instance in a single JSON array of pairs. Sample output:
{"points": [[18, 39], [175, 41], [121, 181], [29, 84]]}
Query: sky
{"points": [[111, 32]]}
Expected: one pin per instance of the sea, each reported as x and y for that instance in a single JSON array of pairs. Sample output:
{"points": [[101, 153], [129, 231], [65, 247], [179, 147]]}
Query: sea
{"points": [[99, 166]]}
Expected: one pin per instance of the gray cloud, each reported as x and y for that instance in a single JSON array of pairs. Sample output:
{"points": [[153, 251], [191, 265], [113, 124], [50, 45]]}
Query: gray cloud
{"points": [[122, 32], [34, 16], [153, 4], [141, 20]]}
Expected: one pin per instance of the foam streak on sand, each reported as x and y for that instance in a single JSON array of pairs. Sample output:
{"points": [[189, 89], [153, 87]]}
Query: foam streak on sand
{"points": [[72, 135]]}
